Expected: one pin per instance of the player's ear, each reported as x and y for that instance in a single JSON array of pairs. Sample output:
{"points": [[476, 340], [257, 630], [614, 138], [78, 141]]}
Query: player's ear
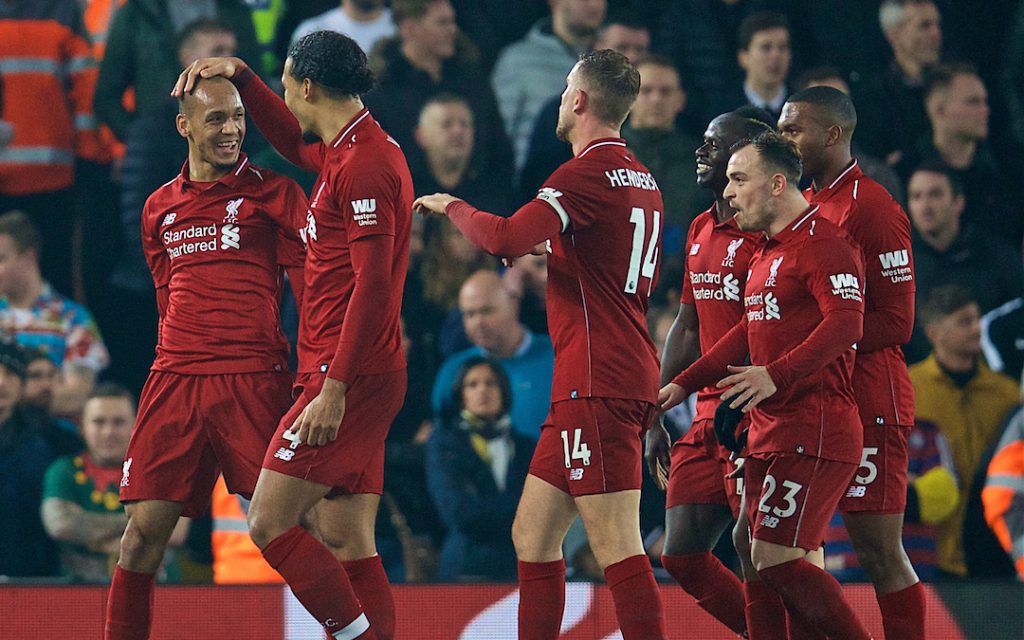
{"points": [[579, 101], [833, 135], [307, 89], [779, 184], [181, 124]]}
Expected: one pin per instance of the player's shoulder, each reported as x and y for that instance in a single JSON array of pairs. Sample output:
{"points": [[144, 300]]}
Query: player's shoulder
{"points": [[822, 237], [872, 200]]}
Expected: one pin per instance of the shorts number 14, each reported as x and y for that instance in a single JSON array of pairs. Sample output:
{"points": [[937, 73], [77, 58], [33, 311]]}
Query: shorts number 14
{"points": [[580, 450]]}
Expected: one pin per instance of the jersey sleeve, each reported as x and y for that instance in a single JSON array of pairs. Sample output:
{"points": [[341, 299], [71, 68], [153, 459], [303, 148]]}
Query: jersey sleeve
{"points": [[152, 248], [574, 197], [834, 274], [884, 238], [368, 197], [288, 205]]}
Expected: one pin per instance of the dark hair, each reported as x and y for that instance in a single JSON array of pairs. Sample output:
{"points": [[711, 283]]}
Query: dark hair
{"points": [[778, 154], [202, 25], [446, 97], [836, 105], [112, 390], [454, 404], [333, 61], [818, 74], [22, 230], [623, 18], [756, 23], [757, 114], [941, 168], [402, 10], [12, 357], [33, 354], [943, 301], [939, 77], [612, 82]]}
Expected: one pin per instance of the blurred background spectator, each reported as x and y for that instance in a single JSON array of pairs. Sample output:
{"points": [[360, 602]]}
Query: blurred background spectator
{"points": [[955, 391], [763, 53], [1003, 493], [477, 464], [490, 315], [365, 21]]}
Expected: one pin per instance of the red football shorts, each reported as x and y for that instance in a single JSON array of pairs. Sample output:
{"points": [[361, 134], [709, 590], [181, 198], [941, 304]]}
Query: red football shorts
{"points": [[593, 445], [190, 427], [790, 498], [880, 485], [354, 462], [699, 467]]}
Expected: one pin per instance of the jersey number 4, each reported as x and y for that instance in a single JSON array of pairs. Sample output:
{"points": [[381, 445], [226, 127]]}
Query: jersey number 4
{"points": [[643, 258]]}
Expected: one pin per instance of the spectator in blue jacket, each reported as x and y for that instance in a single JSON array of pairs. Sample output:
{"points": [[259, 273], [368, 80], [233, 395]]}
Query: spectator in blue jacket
{"points": [[476, 467]]}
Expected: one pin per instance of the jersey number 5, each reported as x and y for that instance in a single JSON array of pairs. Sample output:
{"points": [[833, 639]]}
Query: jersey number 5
{"points": [[643, 263]]}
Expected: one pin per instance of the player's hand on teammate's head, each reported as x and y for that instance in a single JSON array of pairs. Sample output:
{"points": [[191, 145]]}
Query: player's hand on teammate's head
{"points": [[434, 203], [670, 395], [657, 444], [206, 68]]}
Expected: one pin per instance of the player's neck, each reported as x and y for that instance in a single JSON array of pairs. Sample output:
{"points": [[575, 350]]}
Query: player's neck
{"points": [[723, 211], [333, 117], [834, 167], [585, 132], [791, 205], [200, 171]]}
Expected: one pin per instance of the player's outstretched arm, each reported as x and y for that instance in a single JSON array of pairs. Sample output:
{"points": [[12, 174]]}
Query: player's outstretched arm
{"points": [[682, 344], [267, 109], [534, 223]]}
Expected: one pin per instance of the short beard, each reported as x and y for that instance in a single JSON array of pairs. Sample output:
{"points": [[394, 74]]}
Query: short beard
{"points": [[562, 131]]}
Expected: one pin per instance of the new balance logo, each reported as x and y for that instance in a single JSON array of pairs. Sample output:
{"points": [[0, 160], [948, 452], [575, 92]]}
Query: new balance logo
{"points": [[284, 454], [844, 281], [694, 248], [368, 205], [576, 474], [769, 521], [169, 218], [856, 492], [125, 470], [229, 236], [894, 259]]}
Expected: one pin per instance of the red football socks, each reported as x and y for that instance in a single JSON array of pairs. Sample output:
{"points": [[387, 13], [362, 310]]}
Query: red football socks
{"points": [[370, 583], [717, 590], [319, 583], [637, 600], [129, 606], [541, 599], [766, 613], [813, 594], [903, 613]]}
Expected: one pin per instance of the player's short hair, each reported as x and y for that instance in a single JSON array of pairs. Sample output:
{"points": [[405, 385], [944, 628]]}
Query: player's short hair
{"points": [[333, 61], [21, 229], [201, 26], [956, 185], [112, 390], [757, 22], [942, 302], [454, 404], [818, 74], [939, 77], [402, 10], [612, 82], [890, 13], [757, 114], [778, 155], [836, 105]]}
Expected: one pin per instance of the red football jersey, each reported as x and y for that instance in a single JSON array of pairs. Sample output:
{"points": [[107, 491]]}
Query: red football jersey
{"points": [[364, 189], [877, 223], [717, 256], [219, 247], [800, 275], [601, 270]]}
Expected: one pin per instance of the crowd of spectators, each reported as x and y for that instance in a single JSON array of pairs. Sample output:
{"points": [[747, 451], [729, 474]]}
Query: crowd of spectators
{"points": [[470, 90]]}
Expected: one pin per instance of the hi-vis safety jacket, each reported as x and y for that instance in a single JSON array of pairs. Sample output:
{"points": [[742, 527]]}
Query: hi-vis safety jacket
{"points": [[236, 558], [1003, 495]]}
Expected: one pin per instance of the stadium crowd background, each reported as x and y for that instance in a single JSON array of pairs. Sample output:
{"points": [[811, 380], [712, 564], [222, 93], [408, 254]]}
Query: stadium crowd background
{"points": [[470, 89]]}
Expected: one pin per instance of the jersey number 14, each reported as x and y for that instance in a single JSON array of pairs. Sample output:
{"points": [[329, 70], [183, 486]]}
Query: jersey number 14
{"points": [[643, 258]]}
